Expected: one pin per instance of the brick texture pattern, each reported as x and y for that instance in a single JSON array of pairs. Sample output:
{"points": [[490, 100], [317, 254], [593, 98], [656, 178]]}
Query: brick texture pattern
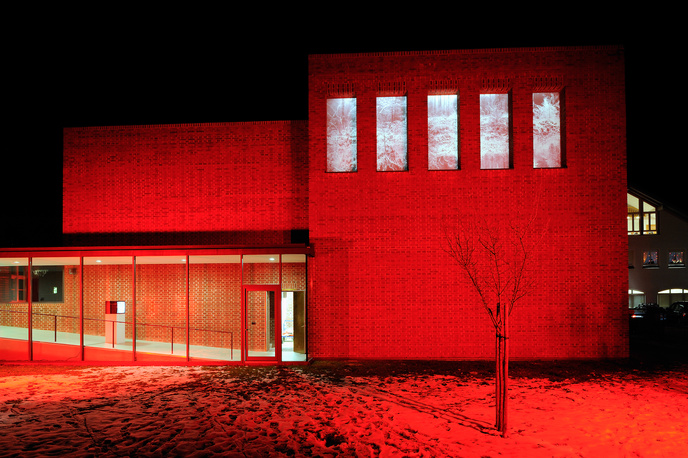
{"points": [[380, 285], [201, 184], [384, 288]]}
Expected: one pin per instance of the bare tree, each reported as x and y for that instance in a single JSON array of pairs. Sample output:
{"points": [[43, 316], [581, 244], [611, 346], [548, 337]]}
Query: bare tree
{"points": [[496, 256]]}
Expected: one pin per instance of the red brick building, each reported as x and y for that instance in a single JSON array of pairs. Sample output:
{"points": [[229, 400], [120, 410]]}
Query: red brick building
{"points": [[343, 217]]}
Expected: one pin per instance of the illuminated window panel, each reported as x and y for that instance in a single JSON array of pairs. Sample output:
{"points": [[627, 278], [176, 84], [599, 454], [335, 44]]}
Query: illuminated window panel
{"points": [[650, 258], [494, 131], [391, 134], [676, 258], [443, 132], [546, 130], [649, 219], [341, 135]]}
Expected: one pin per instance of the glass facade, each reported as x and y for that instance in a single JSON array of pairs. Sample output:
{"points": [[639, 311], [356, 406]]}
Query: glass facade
{"points": [[164, 306], [55, 307], [108, 336]]}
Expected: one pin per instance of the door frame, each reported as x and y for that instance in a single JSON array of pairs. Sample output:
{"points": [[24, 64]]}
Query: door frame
{"points": [[277, 290]]}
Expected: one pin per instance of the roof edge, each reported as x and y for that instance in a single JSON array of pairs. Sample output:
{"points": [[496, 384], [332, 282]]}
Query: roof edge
{"points": [[468, 51]]}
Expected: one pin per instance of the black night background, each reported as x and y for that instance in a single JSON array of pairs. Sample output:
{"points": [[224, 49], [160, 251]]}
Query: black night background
{"points": [[121, 68]]}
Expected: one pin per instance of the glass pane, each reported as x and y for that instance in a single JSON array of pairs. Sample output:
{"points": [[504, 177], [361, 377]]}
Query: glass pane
{"points": [[215, 307], [633, 203], [55, 307], [676, 259], [160, 308], [293, 316], [341, 135], [546, 130], [649, 223], [108, 336], [391, 134], [14, 313], [648, 208], [261, 269], [260, 323], [650, 259], [443, 132], [494, 131]]}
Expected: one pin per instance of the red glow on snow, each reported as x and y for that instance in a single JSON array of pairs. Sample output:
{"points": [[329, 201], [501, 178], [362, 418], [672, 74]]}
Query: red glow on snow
{"points": [[335, 409]]}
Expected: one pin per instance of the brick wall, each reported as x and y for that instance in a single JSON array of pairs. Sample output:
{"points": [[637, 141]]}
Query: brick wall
{"points": [[380, 285], [384, 288], [203, 184]]}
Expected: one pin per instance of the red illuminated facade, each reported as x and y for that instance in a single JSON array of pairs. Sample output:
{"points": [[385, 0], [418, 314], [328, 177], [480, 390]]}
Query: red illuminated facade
{"points": [[356, 212]]}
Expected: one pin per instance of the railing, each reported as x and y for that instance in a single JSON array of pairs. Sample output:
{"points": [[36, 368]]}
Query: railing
{"points": [[138, 323]]}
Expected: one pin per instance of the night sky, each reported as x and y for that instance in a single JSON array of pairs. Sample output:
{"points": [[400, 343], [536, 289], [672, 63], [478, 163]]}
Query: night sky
{"points": [[114, 68]]}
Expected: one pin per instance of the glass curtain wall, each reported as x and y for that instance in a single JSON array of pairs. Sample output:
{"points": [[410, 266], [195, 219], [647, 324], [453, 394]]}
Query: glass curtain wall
{"points": [[261, 313], [108, 329], [215, 307], [108, 307], [293, 305], [55, 313], [161, 312], [14, 308]]}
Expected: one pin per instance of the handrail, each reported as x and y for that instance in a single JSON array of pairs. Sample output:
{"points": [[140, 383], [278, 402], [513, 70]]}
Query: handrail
{"points": [[172, 328]]}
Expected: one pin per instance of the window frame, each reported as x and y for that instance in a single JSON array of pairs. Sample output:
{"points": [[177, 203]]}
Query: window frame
{"points": [[561, 132], [457, 144], [353, 138], [510, 134], [636, 221]]}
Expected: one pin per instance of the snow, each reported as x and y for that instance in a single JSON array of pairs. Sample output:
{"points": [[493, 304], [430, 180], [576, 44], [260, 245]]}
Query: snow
{"points": [[382, 408]]}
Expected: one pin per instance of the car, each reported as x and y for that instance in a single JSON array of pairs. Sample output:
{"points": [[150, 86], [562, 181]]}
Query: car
{"points": [[649, 312], [677, 313]]}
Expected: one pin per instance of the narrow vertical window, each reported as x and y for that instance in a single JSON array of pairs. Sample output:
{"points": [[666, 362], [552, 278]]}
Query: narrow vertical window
{"points": [[391, 134], [494, 131], [443, 132], [546, 130], [341, 135]]}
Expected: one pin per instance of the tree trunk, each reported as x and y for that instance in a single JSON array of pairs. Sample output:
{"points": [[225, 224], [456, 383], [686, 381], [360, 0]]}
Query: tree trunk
{"points": [[502, 377]]}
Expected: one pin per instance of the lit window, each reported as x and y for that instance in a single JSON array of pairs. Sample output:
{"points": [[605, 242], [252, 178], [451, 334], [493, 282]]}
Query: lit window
{"points": [[391, 134], [669, 296], [443, 132], [677, 258], [495, 151], [649, 219], [635, 298], [642, 216], [650, 258], [341, 135], [547, 147]]}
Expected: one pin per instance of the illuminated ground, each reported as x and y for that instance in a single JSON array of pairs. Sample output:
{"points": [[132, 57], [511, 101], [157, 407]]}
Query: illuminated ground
{"points": [[344, 409]]}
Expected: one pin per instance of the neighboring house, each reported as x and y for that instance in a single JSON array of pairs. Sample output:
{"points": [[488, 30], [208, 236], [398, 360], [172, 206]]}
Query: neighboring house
{"points": [[289, 240], [657, 243]]}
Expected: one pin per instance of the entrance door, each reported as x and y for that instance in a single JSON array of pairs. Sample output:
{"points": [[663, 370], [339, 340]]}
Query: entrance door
{"points": [[261, 323]]}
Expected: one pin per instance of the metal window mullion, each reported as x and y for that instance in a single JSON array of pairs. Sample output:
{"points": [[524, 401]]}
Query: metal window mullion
{"points": [[30, 308]]}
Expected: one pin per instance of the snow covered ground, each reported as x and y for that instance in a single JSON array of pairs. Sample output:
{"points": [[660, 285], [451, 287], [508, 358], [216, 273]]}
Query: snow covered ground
{"points": [[341, 409]]}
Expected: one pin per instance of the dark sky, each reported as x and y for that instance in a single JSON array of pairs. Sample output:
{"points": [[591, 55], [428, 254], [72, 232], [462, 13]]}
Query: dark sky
{"points": [[112, 68]]}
